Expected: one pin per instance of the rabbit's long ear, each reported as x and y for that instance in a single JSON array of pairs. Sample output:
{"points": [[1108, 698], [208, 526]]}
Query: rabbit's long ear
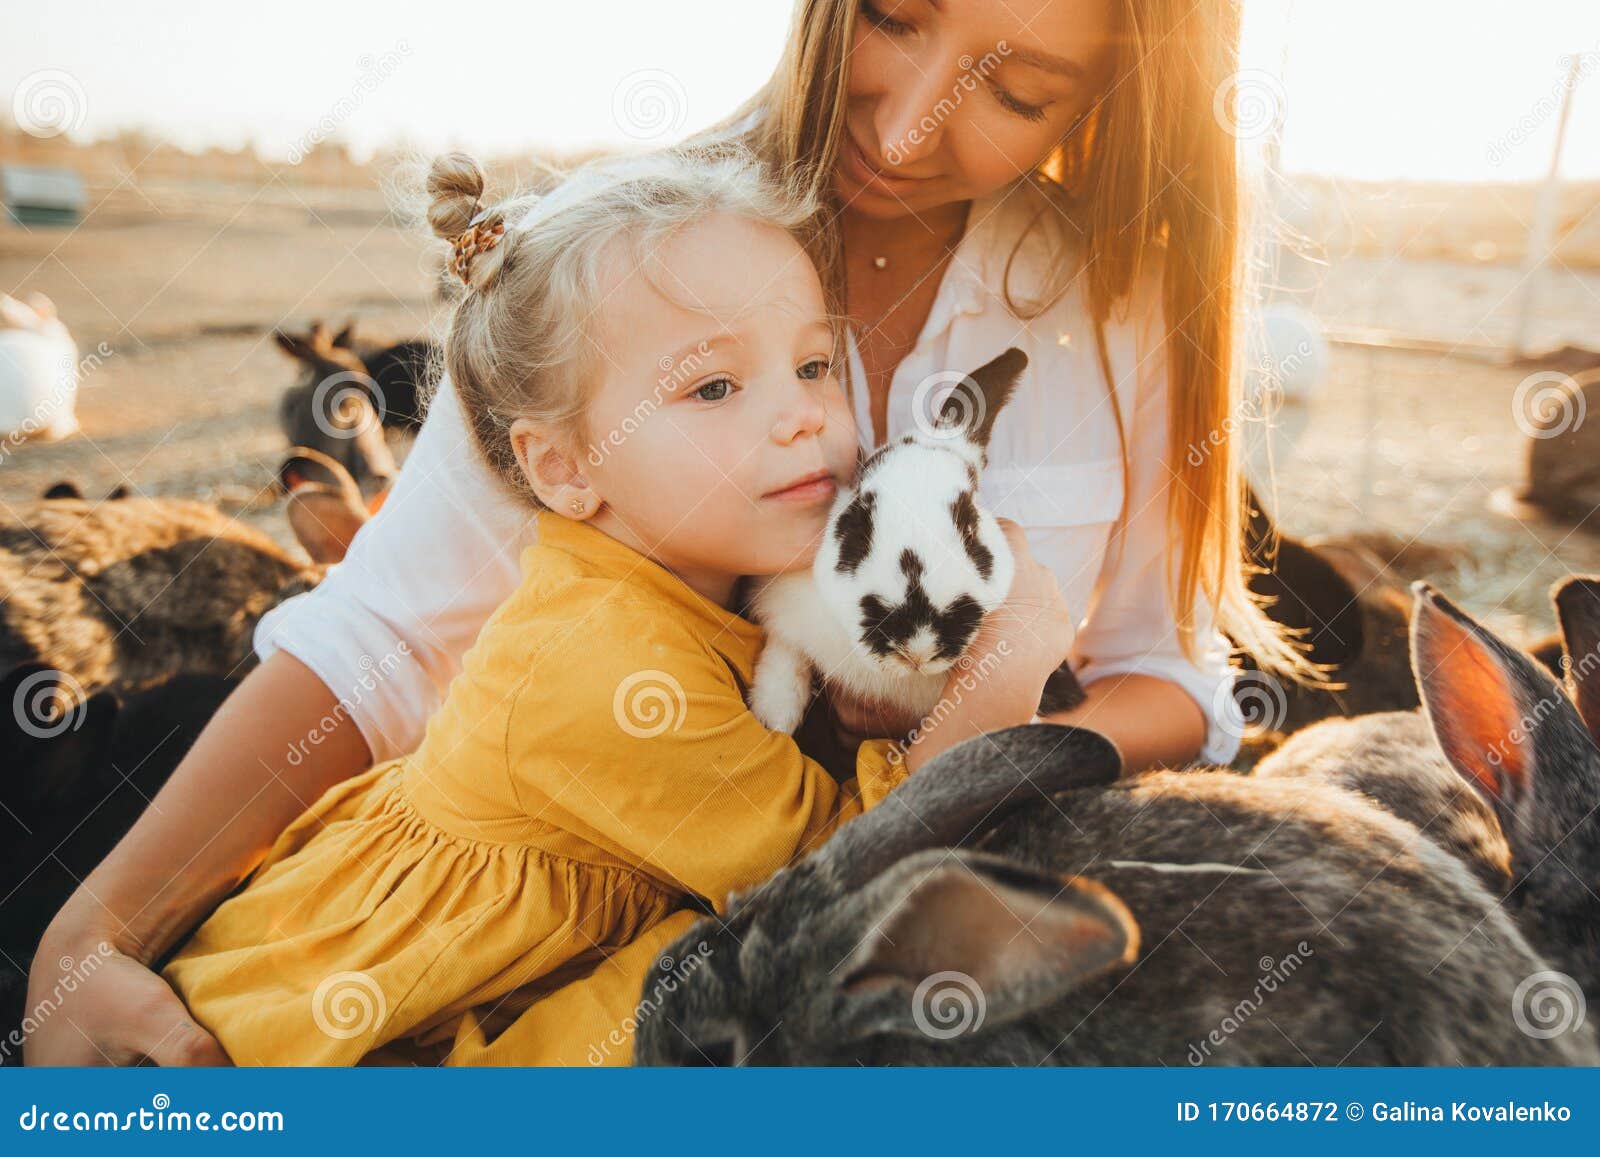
{"points": [[959, 941], [978, 398], [294, 345], [964, 792], [1578, 607], [1504, 724]]}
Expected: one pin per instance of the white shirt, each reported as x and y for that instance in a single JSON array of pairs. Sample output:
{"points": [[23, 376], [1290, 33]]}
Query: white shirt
{"points": [[387, 628]]}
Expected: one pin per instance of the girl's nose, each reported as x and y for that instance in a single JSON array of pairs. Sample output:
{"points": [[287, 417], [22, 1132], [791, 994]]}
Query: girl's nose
{"points": [[802, 414]]}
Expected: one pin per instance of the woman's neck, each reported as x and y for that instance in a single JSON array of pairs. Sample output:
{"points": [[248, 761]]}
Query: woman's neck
{"points": [[903, 240]]}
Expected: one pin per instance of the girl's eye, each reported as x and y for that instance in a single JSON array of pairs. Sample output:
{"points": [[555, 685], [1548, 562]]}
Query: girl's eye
{"points": [[882, 20], [814, 370], [1028, 112], [714, 391]]}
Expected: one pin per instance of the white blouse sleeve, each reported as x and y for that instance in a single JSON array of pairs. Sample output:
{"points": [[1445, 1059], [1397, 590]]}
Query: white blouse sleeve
{"points": [[387, 628], [1133, 629]]}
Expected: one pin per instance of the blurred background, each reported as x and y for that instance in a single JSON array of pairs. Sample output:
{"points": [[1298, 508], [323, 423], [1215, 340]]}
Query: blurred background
{"points": [[181, 179]]}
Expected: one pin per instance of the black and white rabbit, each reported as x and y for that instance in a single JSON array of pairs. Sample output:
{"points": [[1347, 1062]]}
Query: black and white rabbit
{"points": [[908, 566]]}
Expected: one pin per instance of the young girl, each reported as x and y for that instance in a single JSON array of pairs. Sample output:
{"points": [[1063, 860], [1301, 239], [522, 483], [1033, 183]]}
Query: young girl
{"points": [[674, 418]]}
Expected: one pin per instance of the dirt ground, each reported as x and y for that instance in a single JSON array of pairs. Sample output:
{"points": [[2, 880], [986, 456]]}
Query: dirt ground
{"points": [[184, 284]]}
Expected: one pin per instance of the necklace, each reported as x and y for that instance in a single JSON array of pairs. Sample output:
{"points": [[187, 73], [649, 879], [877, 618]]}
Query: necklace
{"points": [[944, 253]]}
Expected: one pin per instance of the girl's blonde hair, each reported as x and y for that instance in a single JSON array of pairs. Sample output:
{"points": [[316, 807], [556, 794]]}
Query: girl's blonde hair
{"points": [[1151, 166], [522, 341]]}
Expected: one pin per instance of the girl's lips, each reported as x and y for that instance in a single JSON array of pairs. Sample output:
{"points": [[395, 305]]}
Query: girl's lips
{"points": [[808, 492], [868, 176]]}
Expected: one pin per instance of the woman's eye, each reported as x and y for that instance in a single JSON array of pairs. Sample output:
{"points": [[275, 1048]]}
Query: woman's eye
{"points": [[882, 20], [814, 370], [1028, 112], [715, 391]]}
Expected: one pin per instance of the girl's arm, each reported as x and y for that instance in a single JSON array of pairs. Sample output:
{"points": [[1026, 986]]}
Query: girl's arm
{"points": [[229, 799]]}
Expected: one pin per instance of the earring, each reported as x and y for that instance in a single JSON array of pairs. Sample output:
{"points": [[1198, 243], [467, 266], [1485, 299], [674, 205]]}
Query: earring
{"points": [[578, 505]]}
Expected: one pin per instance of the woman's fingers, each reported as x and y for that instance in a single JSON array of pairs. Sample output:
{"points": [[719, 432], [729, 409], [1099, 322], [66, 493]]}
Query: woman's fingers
{"points": [[182, 1043], [119, 1014]]}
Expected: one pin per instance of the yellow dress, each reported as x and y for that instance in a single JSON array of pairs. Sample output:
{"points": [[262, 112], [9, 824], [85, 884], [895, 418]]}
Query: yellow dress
{"points": [[502, 894]]}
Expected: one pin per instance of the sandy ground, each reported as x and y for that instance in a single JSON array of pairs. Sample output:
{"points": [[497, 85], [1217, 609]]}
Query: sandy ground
{"points": [[183, 285]]}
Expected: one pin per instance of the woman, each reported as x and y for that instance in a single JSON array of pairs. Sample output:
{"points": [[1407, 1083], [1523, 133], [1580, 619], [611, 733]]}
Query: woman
{"points": [[1041, 173]]}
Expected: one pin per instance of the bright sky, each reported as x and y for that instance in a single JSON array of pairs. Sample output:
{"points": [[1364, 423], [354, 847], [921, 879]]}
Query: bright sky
{"points": [[1458, 89]]}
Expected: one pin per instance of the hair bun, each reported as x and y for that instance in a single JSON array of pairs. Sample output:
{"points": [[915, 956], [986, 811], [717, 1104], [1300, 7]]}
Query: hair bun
{"points": [[455, 194]]}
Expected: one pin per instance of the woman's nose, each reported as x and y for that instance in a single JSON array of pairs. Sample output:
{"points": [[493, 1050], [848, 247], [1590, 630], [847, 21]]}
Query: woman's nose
{"points": [[914, 106]]}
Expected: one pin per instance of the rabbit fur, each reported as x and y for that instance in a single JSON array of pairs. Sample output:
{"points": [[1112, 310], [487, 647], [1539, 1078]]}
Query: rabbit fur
{"points": [[908, 566]]}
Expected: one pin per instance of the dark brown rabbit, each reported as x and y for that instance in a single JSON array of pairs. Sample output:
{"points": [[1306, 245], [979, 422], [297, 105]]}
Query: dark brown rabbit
{"points": [[1347, 595], [337, 407], [1563, 450], [125, 594]]}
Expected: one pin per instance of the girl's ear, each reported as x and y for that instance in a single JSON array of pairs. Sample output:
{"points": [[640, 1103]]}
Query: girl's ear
{"points": [[552, 469]]}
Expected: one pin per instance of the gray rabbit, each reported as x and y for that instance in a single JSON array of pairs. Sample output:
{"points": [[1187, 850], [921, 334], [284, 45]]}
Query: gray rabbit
{"points": [[1014, 902], [1500, 767]]}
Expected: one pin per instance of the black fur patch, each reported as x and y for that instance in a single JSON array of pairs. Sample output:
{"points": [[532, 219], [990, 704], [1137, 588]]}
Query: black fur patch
{"points": [[965, 512], [854, 532], [886, 628]]}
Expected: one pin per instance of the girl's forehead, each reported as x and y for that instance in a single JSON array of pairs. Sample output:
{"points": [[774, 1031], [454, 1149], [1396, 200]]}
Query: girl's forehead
{"points": [[713, 279]]}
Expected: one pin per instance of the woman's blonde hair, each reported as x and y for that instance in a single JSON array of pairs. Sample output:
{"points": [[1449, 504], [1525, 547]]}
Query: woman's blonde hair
{"points": [[522, 341], [1151, 166]]}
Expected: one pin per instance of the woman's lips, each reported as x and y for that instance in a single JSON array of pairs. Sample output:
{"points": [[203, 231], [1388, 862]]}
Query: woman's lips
{"points": [[868, 175], [807, 491]]}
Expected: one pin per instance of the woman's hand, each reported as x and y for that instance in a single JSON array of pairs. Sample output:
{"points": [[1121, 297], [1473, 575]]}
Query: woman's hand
{"points": [[1025, 638], [1002, 675], [207, 829], [118, 1012], [855, 719]]}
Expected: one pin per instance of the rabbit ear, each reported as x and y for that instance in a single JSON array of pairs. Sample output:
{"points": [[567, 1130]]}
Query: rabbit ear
{"points": [[346, 337], [975, 940], [978, 398], [963, 792], [1500, 719], [1578, 607], [294, 345]]}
